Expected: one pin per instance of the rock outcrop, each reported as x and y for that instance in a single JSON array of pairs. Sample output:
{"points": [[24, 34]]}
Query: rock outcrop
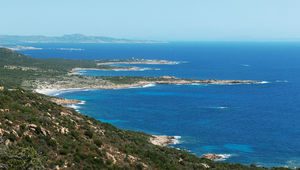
{"points": [[212, 156]]}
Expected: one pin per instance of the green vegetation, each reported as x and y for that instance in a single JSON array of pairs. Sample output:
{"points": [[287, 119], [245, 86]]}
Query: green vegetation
{"points": [[18, 70], [36, 133]]}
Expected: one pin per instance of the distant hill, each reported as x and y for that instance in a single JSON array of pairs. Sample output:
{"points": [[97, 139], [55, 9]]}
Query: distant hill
{"points": [[69, 38]]}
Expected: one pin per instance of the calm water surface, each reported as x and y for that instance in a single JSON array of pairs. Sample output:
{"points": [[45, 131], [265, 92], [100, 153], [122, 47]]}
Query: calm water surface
{"points": [[252, 123]]}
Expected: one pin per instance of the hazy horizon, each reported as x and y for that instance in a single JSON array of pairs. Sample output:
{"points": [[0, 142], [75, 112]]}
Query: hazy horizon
{"points": [[169, 41], [168, 20]]}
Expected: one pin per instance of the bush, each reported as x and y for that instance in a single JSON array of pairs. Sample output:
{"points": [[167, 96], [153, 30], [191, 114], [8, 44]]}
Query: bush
{"points": [[10, 136], [21, 158], [98, 142], [88, 133], [52, 143], [75, 135], [253, 165], [63, 151]]}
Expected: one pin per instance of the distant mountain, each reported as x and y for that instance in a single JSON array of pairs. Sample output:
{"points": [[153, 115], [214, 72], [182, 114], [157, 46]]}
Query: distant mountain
{"points": [[68, 38]]}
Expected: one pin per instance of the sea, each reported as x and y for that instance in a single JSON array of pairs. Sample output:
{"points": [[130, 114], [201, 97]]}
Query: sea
{"points": [[247, 123]]}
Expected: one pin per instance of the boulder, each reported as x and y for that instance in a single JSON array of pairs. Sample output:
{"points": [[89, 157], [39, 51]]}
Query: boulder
{"points": [[212, 156]]}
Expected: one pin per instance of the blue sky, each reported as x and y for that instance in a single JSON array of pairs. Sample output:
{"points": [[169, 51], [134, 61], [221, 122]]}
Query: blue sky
{"points": [[179, 20]]}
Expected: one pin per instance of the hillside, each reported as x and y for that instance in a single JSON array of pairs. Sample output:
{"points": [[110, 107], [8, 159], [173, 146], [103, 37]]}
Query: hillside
{"points": [[36, 133], [18, 70]]}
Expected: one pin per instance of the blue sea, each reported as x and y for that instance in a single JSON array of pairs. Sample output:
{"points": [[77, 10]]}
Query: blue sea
{"points": [[250, 123]]}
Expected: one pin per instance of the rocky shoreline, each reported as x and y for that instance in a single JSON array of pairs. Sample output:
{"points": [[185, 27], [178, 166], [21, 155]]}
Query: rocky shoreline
{"points": [[64, 102], [215, 157], [163, 140], [209, 81], [47, 88], [75, 70], [159, 140]]}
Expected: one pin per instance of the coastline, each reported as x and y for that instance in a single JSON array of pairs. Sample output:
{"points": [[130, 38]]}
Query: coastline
{"points": [[163, 140], [75, 71], [215, 157], [66, 102], [164, 80], [127, 61], [159, 140]]}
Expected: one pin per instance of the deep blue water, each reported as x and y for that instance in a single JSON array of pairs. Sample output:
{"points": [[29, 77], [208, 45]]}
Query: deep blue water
{"points": [[253, 123]]}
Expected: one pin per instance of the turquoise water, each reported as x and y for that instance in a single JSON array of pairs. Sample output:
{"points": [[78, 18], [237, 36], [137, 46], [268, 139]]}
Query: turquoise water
{"points": [[251, 123]]}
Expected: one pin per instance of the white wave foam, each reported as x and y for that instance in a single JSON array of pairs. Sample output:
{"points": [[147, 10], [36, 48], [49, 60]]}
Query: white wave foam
{"points": [[143, 86], [293, 164], [223, 157], [264, 82], [74, 106], [82, 102], [222, 107], [245, 65], [176, 140], [218, 107], [149, 85]]}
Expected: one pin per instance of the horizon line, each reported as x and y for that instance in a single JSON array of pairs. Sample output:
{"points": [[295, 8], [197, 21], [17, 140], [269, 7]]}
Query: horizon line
{"points": [[168, 41]]}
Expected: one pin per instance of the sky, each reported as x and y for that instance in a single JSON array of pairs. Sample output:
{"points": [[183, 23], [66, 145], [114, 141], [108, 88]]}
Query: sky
{"points": [[171, 20]]}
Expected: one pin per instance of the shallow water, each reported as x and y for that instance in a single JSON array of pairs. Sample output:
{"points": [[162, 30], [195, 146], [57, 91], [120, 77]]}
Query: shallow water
{"points": [[253, 123]]}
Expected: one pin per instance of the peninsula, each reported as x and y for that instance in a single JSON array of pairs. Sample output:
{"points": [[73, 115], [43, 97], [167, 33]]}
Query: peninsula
{"points": [[119, 82], [38, 132], [52, 74]]}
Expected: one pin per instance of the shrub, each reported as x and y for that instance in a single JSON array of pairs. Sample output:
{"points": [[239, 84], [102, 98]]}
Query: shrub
{"points": [[98, 142], [10, 136], [52, 143], [63, 151], [88, 133]]}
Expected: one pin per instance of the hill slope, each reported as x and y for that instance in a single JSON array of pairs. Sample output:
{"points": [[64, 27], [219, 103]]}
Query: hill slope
{"points": [[36, 132]]}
